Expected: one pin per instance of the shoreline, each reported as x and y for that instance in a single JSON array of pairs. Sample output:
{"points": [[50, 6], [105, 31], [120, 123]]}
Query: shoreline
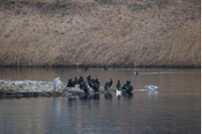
{"points": [[100, 66]]}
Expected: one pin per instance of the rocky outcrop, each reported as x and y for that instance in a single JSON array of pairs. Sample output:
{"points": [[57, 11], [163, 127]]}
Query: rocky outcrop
{"points": [[27, 88]]}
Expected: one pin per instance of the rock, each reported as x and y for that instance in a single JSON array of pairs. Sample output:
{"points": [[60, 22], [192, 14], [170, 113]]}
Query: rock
{"points": [[27, 88], [75, 91]]}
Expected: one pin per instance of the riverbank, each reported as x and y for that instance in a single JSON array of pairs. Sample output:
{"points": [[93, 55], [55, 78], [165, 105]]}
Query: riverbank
{"points": [[87, 67], [144, 34]]}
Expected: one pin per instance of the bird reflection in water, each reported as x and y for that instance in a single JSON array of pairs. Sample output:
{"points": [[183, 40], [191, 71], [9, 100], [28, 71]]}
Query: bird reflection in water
{"points": [[72, 100], [57, 106], [128, 95], [95, 96], [108, 96]]}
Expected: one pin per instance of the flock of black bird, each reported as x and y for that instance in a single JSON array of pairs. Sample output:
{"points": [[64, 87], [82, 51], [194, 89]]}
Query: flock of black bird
{"points": [[126, 89]]}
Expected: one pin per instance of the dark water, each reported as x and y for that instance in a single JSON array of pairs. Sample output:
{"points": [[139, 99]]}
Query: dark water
{"points": [[175, 109]]}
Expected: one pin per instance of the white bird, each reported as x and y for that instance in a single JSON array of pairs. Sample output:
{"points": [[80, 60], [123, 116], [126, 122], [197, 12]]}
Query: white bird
{"points": [[118, 93], [152, 89], [56, 82]]}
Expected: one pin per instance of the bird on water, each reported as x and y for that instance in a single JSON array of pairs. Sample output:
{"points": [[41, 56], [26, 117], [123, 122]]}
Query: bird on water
{"points": [[118, 86]]}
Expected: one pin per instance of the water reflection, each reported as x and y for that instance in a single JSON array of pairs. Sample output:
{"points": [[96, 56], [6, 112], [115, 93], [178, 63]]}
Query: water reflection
{"points": [[108, 96], [72, 101], [90, 97], [57, 106], [175, 109]]}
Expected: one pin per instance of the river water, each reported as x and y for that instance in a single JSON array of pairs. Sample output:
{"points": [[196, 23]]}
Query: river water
{"points": [[175, 109]]}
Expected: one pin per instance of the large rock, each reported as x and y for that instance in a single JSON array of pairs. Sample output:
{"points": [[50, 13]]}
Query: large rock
{"points": [[29, 88], [26, 86]]}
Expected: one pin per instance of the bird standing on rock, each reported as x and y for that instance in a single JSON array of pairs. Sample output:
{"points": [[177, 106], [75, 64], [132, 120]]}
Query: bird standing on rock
{"points": [[70, 83], [75, 81], [56, 83], [118, 85], [96, 85], [83, 86], [108, 94], [93, 83], [89, 80], [111, 82], [80, 80]]}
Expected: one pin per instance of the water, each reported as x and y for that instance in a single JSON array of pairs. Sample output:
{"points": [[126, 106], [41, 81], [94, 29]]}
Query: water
{"points": [[175, 109]]}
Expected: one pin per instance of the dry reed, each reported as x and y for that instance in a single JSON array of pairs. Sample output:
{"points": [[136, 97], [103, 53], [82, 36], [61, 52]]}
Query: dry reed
{"points": [[101, 35]]}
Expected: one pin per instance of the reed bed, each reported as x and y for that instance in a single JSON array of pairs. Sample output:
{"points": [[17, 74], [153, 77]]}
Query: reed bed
{"points": [[95, 34]]}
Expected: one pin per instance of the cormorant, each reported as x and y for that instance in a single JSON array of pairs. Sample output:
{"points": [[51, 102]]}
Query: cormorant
{"points": [[80, 80], [108, 85], [127, 88], [118, 85], [75, 81], [70, 83]]}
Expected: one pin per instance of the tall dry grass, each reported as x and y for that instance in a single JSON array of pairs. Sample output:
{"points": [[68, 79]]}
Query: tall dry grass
{"points": [[99, 35]]}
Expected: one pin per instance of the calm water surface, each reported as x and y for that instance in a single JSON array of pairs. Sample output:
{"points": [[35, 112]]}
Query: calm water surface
{"points": [[176, 108]]}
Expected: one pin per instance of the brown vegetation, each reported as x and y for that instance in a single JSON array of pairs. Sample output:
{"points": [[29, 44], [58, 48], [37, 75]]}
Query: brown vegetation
{"points": [[119, 33]]}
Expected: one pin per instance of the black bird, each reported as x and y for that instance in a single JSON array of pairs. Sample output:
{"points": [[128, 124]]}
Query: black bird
{"points": [[70, 83], [111, 82], [125, 86], [95, 84], [130, 89], [108, 85], [85, 89], [118, 85], [80, 80], [89, 77], [75, 81], [90, 81], [96, 87], [83, 86]]}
